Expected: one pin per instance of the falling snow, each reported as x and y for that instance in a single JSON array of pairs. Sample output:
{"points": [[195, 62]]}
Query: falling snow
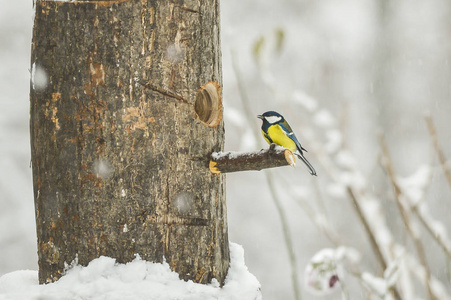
{"points": [[344, 74], [103, 168], [39, 77]]}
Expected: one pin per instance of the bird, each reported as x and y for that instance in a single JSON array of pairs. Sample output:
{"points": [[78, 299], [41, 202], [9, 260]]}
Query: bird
{"points": [[275, 129]]}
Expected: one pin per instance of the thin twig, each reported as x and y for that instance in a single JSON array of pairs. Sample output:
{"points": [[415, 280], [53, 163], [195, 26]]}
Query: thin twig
{"points": [[405, 216], [442, 241], [320, 220], [366, 225], [372, 237], [323, 212], [286, 234], [163, 92], [440, 154], [244, 97], [444, 244]]}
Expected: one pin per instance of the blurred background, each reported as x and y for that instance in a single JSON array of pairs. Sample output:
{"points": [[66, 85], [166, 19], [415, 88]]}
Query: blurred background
{"points": [[343, 73]]}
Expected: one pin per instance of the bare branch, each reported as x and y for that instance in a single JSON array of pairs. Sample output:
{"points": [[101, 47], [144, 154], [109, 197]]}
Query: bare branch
{"points": [[441, 155], [163, 92], [428, 223], [228, 162], [366, 225], [405, 215], [286, 233]]}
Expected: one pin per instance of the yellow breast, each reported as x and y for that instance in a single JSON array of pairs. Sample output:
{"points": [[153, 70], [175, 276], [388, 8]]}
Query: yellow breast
{"points": [[279, 137]]}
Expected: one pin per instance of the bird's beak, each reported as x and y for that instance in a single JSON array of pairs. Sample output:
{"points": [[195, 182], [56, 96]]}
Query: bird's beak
{"points": [[260, 117]]}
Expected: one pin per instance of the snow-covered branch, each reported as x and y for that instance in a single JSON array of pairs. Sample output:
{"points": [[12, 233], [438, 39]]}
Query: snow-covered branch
{"points": [[228, 162]]}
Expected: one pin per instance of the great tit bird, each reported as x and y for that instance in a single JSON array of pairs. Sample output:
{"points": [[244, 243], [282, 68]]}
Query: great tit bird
{"points": [[275, 129]]}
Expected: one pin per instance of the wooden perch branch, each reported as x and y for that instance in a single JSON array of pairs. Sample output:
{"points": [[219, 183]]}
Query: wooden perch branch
{"points": [[227, 162]]}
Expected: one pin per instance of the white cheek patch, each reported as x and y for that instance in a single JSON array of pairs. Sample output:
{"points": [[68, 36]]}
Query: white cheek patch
{"points": [[273, 119]]}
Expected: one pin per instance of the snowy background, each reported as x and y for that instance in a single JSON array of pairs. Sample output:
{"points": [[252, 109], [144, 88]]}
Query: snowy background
{"points": [[342, 73]]}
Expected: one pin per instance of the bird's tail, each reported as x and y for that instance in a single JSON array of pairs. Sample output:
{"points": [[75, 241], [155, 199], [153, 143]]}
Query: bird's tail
{"points": [[306, 162]]}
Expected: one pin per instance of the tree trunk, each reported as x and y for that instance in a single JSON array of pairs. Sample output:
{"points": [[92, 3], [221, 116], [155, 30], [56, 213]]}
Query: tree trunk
{"points": [[125, 112]]}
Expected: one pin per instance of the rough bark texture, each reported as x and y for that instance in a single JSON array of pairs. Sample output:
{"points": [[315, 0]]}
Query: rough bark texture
{"points": [[229, 162], [119, 154]]}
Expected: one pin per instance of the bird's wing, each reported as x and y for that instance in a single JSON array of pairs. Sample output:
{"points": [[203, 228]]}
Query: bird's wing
{"points": [[289, 132]]}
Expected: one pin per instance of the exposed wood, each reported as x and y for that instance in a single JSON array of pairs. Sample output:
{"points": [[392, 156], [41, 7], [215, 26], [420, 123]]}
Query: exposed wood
{"points": [[229, 162], [115, 135]]}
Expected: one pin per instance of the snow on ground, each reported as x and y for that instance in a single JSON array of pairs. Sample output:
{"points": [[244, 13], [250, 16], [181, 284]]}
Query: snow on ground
{"points": [[103, 278]]}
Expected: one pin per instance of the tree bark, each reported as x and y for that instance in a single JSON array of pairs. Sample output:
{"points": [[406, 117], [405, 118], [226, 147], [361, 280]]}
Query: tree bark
{"points": [[125, 112]]}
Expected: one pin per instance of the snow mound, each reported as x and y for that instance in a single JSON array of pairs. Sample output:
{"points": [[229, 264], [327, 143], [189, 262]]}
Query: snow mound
{"points": [[105, 279]]}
